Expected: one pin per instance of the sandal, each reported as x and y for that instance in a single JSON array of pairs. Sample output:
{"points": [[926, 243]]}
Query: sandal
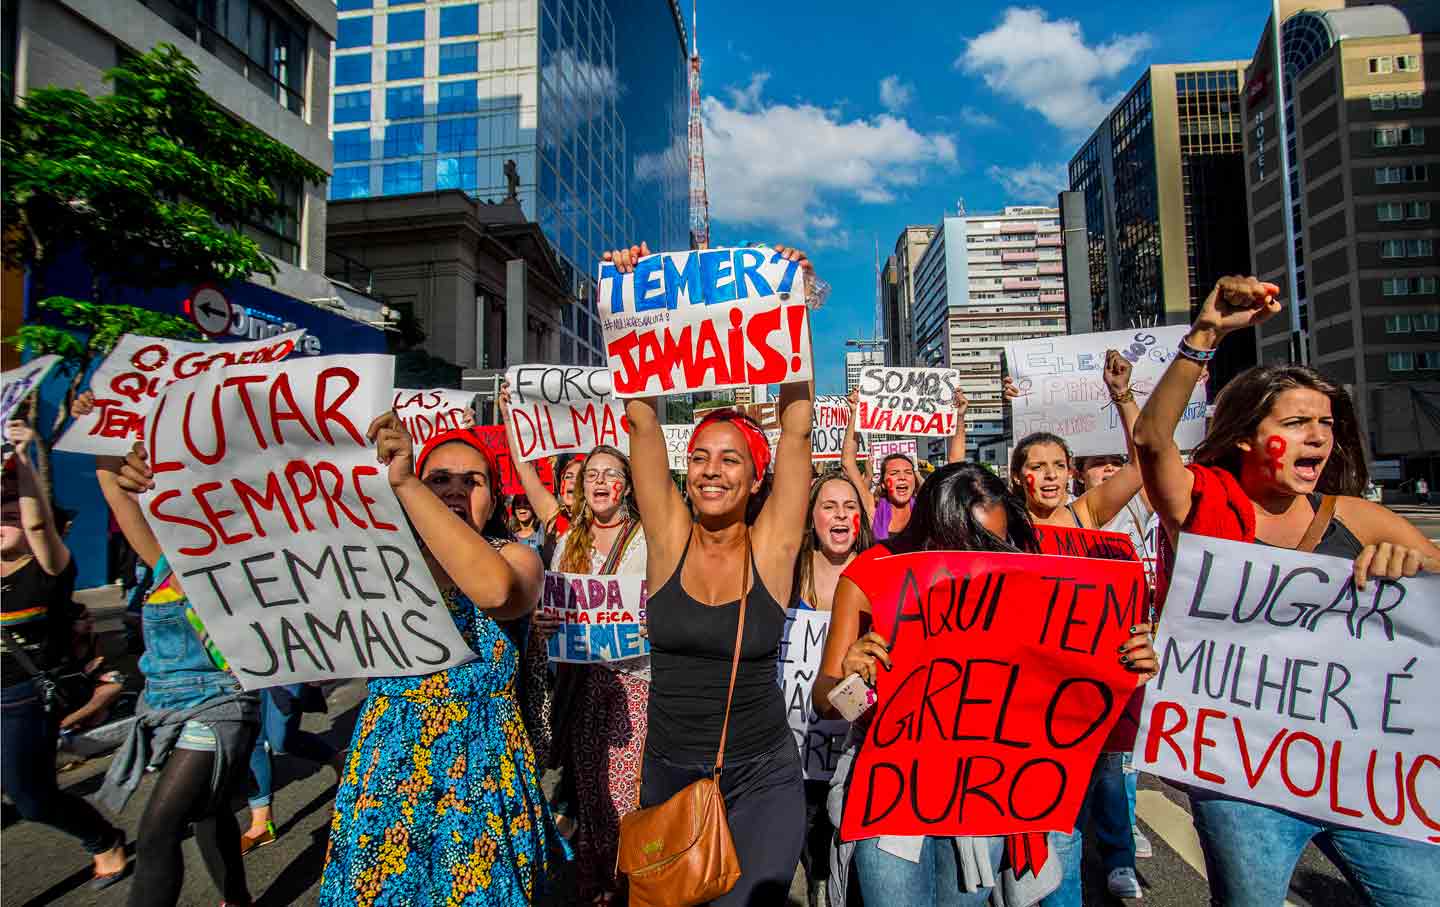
{"points": [[249, 842]]}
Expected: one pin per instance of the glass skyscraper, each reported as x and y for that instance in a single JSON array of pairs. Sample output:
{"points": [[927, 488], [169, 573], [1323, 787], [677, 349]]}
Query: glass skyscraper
{"points": [[588, 97]]}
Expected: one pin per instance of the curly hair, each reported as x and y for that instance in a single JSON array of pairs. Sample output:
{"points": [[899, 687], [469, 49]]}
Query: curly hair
{"points": [[580, 540]]}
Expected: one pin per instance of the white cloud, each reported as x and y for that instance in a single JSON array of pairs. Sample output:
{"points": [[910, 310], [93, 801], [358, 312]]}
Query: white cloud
{"points": [[1046, 65], [786, 166], [977, 119], [1038, 183], [895, 94], [589, 88]]}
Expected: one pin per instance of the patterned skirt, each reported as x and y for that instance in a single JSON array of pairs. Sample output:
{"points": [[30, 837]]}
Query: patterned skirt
{"points": [[607, 744]]}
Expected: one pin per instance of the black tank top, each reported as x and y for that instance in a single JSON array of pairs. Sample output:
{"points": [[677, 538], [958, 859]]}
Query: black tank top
{"points": [[1338, 540], [691, 645]]}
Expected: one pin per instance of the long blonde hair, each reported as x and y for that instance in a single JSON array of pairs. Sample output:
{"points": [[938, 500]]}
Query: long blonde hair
{"points": [[580, 540]]}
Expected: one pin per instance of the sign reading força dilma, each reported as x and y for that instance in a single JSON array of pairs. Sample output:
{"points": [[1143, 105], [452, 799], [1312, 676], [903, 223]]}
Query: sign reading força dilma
{"points": [[704, 320]]}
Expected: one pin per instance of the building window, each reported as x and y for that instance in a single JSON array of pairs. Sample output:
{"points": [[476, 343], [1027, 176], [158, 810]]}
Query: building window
{"points": [[1401, 362], [346, 6], [1397, 324], [1392, 136], [456, 173], [460, 134], [350, 182], [1429, 321], [1410, 100], [458, 21], [352, 69], [1417, 210], [401, 178], [1382, 102], [352, 145], [1407, 63], [1407, 286], [279, 235], [1390, 211], [404, 139], [400, 27], [1381, 65], [356, 32], [404, 102], [1409, 173], [407, 63], [458, 58], [352, 107], [457, 97], [1407, 248], [1428, 360]]}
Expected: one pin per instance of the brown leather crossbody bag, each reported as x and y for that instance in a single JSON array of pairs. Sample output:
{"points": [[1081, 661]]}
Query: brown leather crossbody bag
{"points": [[680, 852]]}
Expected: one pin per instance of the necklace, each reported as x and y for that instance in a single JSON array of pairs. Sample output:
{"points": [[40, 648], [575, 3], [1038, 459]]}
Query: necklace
{"points": [[599, 525]]}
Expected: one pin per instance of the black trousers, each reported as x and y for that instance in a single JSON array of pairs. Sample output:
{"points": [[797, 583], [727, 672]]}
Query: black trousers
{"points": [[765, 805]]}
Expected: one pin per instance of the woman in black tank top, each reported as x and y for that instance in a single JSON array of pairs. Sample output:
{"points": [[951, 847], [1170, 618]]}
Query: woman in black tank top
{"points": [[728, 540]]}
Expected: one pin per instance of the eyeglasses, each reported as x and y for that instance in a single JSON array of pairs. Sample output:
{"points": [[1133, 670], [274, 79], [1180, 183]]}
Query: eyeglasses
{"points": [[593, 476]]}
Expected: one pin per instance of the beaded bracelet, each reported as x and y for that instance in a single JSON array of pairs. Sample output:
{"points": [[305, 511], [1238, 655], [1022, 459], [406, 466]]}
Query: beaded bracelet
{"points": [[1195, 355]]}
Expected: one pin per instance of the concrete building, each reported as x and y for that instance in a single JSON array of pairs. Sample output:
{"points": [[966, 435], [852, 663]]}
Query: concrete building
{"points": [[897, 293], [267, 63], [1361, 88], [1163, 182], [986, 280], [855, 361], [589, 98]]}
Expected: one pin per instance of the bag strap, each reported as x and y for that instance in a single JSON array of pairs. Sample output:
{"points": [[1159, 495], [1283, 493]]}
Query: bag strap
{"points": [[734, 659], [1323, 515], [21, 656]]}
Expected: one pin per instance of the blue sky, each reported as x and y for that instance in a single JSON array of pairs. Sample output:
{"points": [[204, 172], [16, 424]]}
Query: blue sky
{"points": [[829, 125]]}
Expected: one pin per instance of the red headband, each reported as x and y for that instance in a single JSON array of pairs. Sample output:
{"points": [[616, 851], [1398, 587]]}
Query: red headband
{"points": [[754, 436], [463, 436]]}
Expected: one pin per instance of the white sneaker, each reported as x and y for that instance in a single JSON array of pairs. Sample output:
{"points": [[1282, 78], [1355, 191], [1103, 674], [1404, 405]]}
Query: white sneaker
{"points": [[1123, 884], [1143, 848]]}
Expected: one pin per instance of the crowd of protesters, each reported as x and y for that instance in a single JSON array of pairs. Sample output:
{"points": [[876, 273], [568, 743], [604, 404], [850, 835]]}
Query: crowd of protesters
{"points": [[504, 781]]}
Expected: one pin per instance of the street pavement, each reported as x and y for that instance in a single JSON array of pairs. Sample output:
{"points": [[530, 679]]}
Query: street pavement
{"points": [[39, 866]]}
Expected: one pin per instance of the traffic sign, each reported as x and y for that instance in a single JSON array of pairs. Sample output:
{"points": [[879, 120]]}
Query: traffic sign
{"points": [[210, 310]]}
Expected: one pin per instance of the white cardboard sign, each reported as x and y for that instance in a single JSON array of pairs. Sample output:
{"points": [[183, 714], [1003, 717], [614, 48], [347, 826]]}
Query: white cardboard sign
{"points": [[820, 740], [556, 409], [827, 430], [18, 382], [1063, 390], [1280, 682], [677, 442], [883, 448], [283, 529], [427, 413], [907, 401], [139, 368], [601, 617]]}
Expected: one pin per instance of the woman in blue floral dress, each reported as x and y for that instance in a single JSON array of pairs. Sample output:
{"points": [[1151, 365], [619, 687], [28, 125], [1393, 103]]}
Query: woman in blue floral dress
{"points": [[440, 804]]}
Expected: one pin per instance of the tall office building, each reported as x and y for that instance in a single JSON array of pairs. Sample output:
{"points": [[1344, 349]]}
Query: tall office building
{"points": [[986, 280], [267, 63], [1361, 87], [897, 293], [587, 97], [1164, 187], [855, 361]]}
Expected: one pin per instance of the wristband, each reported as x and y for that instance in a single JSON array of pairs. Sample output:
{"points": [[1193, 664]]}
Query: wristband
{"points": [[1194, 354], [1125, 396]]}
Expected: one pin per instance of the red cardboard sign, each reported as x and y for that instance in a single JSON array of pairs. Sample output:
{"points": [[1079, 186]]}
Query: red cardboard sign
{"points": [[1004, 683], [1074, 542], [499, 450]]}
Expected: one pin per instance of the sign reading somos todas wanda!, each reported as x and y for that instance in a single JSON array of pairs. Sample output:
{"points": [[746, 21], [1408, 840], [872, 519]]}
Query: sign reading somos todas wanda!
{"points": [[907, 401], [283, 529], [704, 320], [1281, 683], [1004, 684]]}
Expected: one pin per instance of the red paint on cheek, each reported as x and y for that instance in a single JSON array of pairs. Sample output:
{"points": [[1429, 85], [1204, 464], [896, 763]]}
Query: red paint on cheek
{"points": [[1275, 448], [855, 524], [615, 490], [1030, 483]]}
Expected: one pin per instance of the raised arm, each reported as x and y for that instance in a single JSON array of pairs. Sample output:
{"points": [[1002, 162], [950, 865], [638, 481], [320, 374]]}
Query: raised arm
{"points": [[850, 456], [956, 453], [542, 499], [507, 586], [37, 519], [121, 480], [1235, 304], [781, 526], [1102, 502]]}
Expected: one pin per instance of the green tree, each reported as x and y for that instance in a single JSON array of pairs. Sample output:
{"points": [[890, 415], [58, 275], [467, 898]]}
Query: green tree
{"points": [[150, 185]]}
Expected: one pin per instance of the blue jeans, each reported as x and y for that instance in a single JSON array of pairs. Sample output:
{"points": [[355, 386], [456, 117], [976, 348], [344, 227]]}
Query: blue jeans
{"points": [[1110, 800], [280, 734], [1251, 851], [887, 879]]}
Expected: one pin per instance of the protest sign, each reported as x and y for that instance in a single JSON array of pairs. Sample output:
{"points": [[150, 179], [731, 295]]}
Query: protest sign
{"points": [[906, 447], [427, 413], [1075, 542], [600, 617], [1282, 683], [827, 430], [704, 320], [1063, 391], [907, 401], [19, 382], [283, 529], [138, 369], [493, 436], [677, 444], [820, 740], [1003, 686], [557, 409]]}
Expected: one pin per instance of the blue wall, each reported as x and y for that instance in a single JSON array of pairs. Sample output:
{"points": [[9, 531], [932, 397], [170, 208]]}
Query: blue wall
{"points": [[255, 308]]}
